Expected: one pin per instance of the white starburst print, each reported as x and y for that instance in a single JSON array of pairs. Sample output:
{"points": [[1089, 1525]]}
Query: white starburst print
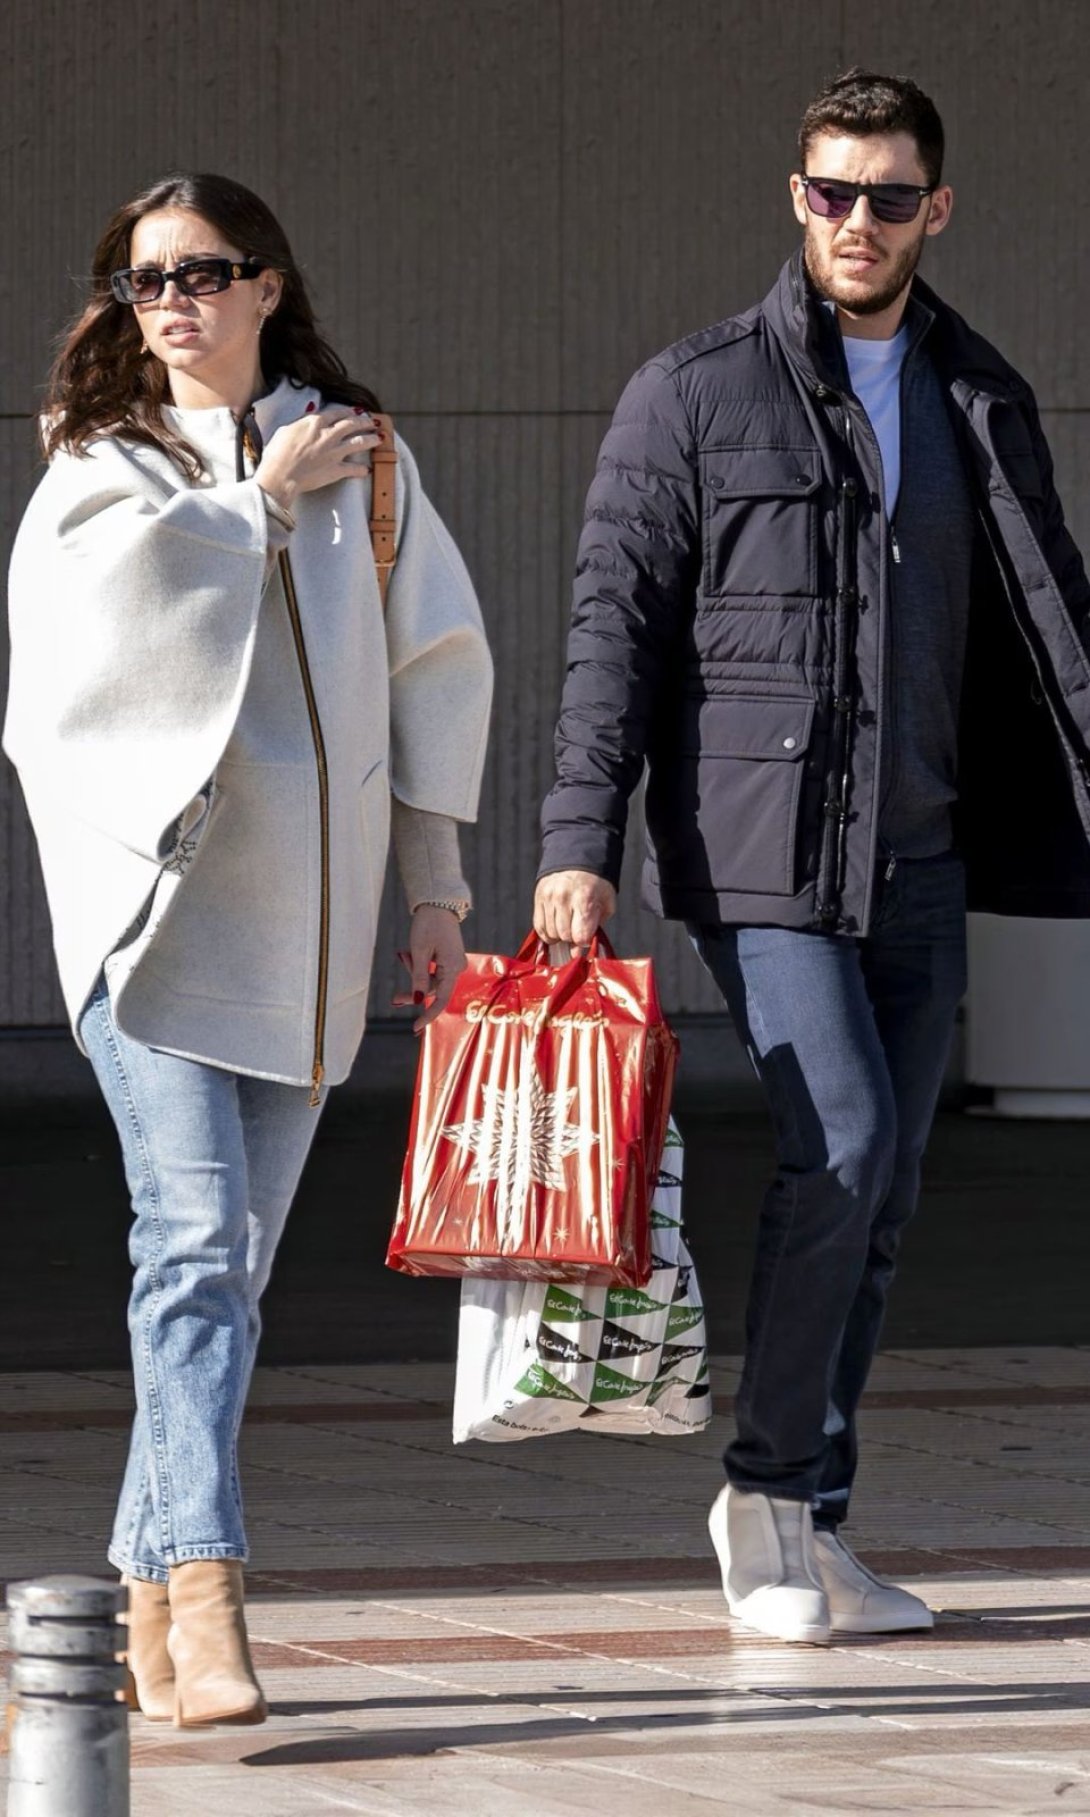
{"points": [[524, 1136]]}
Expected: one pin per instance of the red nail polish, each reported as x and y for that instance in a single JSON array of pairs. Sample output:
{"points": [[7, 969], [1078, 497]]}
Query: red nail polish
{"points": [[358, 410], [310, 409], [418, 996]]}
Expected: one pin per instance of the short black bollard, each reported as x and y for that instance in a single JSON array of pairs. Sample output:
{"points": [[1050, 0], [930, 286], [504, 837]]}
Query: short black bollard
{"points": [[68, 1725]]}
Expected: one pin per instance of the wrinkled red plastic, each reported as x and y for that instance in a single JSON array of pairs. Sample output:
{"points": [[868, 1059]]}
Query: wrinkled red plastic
{"points": [[539, 1117]]}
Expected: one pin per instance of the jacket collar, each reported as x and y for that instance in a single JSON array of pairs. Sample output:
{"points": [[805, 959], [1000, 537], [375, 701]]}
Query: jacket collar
{"points": [[814, 344], [809, 330], [212, 433]]}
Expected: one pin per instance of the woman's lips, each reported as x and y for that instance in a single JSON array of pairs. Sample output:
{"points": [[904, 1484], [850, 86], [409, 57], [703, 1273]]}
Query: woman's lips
{"points": [[180, 331]]}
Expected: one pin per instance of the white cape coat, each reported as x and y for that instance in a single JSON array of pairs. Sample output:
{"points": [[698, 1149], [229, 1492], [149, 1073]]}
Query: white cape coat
{"points": [[151, 657]]}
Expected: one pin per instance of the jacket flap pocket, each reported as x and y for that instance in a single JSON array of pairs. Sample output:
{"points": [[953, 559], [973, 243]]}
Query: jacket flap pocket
{"points": [[759, 729], [762, 472]]}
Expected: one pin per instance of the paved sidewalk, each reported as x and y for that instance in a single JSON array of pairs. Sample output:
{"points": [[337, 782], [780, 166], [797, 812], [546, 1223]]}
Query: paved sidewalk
{"points": [[536, 1628]]}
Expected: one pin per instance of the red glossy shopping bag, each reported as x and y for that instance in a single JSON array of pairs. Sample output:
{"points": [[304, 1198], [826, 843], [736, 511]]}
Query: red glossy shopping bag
{"points": [[541, 1104]]}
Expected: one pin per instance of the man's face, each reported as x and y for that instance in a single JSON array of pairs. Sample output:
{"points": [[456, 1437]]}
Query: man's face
{"points": [[860, 263]]}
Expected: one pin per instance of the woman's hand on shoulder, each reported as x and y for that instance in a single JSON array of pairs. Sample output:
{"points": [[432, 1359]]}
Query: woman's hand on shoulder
{"points": [[317, 450], [435, 957]]}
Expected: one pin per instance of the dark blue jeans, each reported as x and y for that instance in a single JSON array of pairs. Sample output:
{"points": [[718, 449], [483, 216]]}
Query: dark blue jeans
{"points": [[849, 1039]]}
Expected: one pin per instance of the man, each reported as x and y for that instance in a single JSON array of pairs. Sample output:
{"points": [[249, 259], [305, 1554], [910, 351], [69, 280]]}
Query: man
{"points": [[825, 591]]}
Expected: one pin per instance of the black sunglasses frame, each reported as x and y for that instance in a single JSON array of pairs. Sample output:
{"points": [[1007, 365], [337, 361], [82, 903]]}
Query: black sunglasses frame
{"points": [[876, 194], [229, 270]]}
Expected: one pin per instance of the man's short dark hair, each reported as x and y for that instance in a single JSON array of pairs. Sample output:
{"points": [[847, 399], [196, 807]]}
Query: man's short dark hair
{"points": [[861, 103]]}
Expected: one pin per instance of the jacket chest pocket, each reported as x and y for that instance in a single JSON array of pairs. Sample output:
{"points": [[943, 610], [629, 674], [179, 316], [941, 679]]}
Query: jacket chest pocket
{"points": [[761, 521]]}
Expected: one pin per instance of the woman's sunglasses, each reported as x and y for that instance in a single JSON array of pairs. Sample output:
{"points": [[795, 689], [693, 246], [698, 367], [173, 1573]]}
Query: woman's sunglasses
{"points": [[896, 203], [194, 278]]}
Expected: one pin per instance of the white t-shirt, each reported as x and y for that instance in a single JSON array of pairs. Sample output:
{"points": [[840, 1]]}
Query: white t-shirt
{"points": [[874, 368]]}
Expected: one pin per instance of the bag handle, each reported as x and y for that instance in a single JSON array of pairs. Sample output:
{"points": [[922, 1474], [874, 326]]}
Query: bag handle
{"points": [[535, 950], [384, 504]]}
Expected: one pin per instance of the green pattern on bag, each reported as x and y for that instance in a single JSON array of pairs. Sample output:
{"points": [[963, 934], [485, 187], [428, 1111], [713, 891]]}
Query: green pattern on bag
{"points": [[537, 1381], [682, 1318], [611, 1386], [561, 1306], [630, 1303]]}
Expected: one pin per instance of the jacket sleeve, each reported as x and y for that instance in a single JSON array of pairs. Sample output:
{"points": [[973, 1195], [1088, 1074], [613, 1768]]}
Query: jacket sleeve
{"points": [[440, 667], [635, 579], [1060, 548], [133, 611]]}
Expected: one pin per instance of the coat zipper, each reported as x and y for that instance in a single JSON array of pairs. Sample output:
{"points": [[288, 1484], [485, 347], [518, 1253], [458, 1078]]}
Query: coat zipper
{"points": [[249, 445], [834, 840], [288, 580]]}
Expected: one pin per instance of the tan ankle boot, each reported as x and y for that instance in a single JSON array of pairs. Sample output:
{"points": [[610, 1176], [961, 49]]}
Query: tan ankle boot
{"points": [[213, 1673], [150, 1686]]}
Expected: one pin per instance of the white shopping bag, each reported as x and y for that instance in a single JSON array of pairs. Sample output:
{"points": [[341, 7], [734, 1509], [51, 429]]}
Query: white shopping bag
{"points": [[534, 1359]]}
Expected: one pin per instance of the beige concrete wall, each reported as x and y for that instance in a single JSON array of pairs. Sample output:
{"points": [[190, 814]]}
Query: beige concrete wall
{"points": [[504, 206]]}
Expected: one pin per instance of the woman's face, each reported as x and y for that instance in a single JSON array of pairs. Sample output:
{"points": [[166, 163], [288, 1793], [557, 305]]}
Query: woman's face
{"points": [[206, 340]]}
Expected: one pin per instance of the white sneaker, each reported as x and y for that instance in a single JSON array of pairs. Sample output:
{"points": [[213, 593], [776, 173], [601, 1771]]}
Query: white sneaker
{"points": [[770, 1578], [859, 1602]]}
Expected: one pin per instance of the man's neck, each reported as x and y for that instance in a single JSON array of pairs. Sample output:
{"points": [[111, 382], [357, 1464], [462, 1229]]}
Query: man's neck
{"points": [[880, 327]]}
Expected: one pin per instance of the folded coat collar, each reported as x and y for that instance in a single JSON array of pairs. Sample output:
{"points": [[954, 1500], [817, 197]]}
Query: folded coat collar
{"points": [[212, 433]]}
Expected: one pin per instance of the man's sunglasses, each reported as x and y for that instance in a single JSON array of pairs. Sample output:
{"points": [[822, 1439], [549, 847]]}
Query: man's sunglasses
{"points": [[194, 278], [896, 203]]}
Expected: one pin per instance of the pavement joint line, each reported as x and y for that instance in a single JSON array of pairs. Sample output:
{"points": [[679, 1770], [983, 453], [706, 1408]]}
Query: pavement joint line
{"points": [[506, 1633], [989, 1416], [381, 1407], [553, 1477], [996, 1467], [1031, 1765]]}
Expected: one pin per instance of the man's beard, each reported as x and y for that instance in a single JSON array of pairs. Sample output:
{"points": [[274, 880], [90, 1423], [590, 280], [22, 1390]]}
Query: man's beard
{"points": [[847, 292]]}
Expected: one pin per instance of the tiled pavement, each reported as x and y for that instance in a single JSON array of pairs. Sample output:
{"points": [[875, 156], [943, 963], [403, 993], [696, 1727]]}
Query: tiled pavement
{"points": [[536, 1628]]}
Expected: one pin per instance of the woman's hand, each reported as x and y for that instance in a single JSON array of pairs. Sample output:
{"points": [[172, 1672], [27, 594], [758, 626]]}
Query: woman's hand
{"points": [[320, 448], [435, 957]]}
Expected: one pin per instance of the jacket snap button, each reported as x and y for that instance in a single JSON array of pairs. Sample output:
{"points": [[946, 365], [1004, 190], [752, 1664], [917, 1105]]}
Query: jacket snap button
{"points": [[790, 743]]}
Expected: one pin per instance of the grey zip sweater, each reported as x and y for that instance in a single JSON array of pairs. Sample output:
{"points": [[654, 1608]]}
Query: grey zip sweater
{"points": [[931, 544]]}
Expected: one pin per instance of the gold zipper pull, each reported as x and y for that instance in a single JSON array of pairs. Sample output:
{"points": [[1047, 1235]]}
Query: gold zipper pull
{"points": [[316, 1078]]}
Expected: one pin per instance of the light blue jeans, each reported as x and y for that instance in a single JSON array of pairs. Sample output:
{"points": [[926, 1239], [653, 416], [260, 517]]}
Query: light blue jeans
{"points": [[212, 1160]]}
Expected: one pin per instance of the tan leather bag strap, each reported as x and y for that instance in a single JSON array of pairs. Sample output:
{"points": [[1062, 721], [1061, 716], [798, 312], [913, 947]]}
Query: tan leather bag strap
{"points": [[384, 505]]}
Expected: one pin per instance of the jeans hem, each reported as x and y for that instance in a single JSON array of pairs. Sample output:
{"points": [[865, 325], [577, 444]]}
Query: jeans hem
{"points": [[179, 1555], [188, 1555], [134, 1567]]}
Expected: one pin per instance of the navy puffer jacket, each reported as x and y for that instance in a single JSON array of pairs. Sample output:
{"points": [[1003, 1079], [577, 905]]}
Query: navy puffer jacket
{"points": [[730, 629]]}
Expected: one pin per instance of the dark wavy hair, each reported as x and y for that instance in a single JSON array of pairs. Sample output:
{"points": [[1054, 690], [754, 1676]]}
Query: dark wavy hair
{"points": [[860, 103], [101, 382]]}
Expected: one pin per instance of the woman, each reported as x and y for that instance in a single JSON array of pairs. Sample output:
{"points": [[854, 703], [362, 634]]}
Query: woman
{"points": [[215, 725]]}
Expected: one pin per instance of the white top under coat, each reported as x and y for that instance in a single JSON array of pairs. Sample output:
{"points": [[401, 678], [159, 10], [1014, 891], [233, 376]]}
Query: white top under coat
{"points": [[874, 368]]}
